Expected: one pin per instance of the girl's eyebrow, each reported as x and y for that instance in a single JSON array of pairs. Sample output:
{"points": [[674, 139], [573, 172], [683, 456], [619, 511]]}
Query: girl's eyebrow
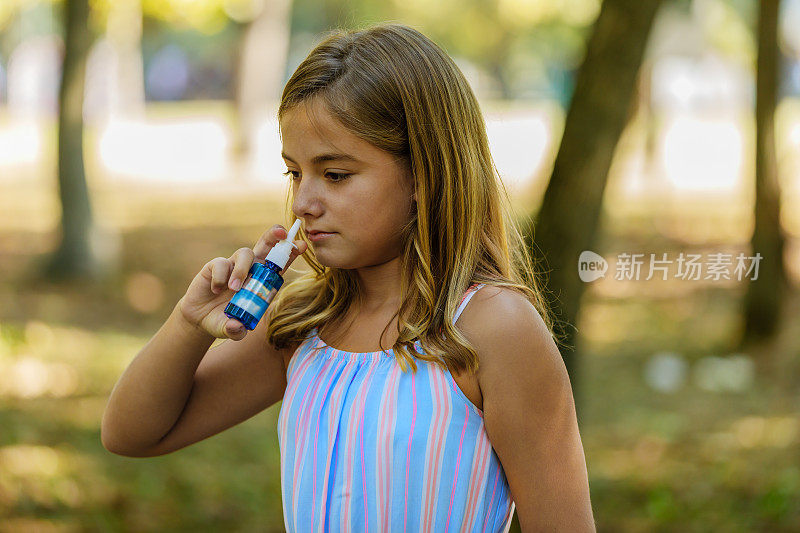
{"points": [[322, 158]]}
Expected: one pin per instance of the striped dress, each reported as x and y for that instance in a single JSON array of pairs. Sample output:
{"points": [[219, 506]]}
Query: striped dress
{"points": [[367, 447]]}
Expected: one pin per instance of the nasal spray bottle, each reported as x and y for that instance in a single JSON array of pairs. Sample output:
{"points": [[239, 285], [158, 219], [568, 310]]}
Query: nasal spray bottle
{"points": [[250, 302]]}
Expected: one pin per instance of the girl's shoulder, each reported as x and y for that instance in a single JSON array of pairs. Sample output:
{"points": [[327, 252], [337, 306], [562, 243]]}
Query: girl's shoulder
{"points": [[491, 298], [494, 315]]}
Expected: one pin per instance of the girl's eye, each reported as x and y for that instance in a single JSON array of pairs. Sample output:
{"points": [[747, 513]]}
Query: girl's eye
{"points": [[338, 176], [335, 176]]}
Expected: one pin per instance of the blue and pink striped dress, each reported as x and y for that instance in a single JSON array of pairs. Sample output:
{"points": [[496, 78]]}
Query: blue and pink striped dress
{"points": [[367, 447]]}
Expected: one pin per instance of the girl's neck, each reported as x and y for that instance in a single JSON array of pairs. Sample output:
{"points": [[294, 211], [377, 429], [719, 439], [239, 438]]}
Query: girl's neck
{"points": [[380, 287]]}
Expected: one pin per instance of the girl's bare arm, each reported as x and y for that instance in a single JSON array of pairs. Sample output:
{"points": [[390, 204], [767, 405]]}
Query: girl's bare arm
{"points": [[177, 392]]}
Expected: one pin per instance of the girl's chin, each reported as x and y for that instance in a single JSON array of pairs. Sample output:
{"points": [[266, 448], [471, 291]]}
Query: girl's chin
{"points": [[340, 264], [326, 259]]}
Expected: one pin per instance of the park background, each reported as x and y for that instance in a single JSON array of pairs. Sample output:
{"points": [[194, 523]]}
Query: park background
{"points": [[138, 140]]}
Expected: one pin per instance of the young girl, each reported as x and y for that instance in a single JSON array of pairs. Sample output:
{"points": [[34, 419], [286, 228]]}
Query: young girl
{"points": [[393, 417]]}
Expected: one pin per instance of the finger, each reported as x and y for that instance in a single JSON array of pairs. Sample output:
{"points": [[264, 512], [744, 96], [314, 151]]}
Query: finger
{"points": [[267, 240], [235, 330], [299, 249], [242, 260], [220, 272]]}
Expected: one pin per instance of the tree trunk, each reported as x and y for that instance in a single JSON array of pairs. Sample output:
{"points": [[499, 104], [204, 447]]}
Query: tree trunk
{"points": [[764, 296], [263, 53], [124, 31], [74, 257], [568, 218]]}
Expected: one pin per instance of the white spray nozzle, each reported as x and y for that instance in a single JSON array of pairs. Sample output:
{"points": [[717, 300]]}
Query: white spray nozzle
{"points": [[280, 252]]}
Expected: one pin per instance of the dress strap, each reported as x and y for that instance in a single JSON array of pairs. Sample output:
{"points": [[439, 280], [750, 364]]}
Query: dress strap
{"points": [[465, 299]]}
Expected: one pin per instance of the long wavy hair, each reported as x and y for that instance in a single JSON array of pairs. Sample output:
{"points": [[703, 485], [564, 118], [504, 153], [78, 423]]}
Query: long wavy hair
{"points": [[393, 87]]}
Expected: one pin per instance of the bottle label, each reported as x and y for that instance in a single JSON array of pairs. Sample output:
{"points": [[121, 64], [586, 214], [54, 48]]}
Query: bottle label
{"points": [[259, 289], [254, 297]]}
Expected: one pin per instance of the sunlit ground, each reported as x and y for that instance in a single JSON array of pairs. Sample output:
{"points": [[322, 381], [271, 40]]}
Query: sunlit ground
{"points": [[681, 433]]}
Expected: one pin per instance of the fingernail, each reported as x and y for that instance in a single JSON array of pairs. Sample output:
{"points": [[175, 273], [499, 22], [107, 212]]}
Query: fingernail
{"points": [[235, 284]]}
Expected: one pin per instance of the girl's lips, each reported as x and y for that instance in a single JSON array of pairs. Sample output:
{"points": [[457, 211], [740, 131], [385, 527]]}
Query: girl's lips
{"points": [[316, 237]]}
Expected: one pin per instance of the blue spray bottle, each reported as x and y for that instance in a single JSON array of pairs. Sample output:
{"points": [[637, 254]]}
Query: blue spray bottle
{"points": [[250, 302]]}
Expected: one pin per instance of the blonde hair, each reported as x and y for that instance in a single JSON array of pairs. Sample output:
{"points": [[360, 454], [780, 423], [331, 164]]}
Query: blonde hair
{"points": [[394, 88]]}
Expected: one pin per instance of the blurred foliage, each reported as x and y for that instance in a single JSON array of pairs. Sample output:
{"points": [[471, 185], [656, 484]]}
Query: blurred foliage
{"points": [[729, 26], [531, 41], [530, 48], [206, 16]]}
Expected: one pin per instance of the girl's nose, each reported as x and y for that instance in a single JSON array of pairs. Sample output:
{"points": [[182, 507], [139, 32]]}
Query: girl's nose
{"points": [[307, 200]]}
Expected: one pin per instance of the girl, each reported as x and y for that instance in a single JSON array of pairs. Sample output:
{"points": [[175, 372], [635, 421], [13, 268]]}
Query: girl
{"points": [[392, 417]]}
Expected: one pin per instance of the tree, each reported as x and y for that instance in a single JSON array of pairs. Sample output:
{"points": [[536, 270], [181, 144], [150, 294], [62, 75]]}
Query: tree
{"points": [[764, 297], [568, 219], [75, 257], [260, 75]]}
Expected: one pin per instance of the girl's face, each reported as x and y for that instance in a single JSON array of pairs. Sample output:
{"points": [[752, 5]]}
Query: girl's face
{"points": [[361, 193]]}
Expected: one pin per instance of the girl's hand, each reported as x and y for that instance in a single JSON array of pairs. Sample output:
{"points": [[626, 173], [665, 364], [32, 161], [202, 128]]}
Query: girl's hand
{"points": [[203, 305]]}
